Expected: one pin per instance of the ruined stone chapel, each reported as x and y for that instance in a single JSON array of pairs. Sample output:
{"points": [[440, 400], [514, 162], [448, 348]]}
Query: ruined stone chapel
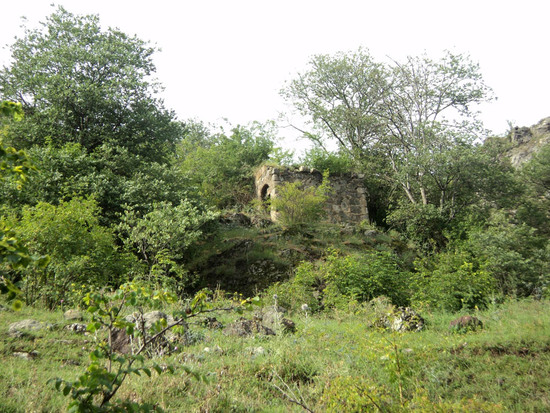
{"points": [[347, 201]]}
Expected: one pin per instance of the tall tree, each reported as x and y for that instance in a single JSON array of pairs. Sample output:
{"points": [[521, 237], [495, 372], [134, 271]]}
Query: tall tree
{"points": [[79, 83], [410, 123]]}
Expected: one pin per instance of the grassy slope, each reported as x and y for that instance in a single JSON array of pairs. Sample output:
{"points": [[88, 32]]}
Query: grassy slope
{"points": [[503, 367]]}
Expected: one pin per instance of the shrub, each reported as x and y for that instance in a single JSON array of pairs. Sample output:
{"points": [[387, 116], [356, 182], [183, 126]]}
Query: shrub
{"points": [[80, 250], [297, 206], [161, 238], [452, 281], [342, 281], [366, 276]]}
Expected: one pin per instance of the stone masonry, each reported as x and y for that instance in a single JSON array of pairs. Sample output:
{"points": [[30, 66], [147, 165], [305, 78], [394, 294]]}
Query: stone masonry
{"points": [[347, 201]]}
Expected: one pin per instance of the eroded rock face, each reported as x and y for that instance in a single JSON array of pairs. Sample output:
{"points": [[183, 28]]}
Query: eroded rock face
{"points": [[466, 323], [528, 141]]}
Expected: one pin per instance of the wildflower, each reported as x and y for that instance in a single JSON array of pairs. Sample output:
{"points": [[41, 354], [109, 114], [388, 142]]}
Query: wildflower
{"points": [[305, 307]]}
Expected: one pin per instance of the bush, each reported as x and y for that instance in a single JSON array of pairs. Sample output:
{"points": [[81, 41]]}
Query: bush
{"points": [[343, 281], [161, 239], [80, 250], [297, 207], [452, 281], [514, 254]]}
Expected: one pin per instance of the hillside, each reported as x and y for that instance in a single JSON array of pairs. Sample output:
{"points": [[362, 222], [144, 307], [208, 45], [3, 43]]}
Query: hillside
{"points": [[526, 141]]}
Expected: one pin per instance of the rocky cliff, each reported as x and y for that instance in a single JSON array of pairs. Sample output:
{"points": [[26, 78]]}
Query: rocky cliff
{"points": [[527, 141]]}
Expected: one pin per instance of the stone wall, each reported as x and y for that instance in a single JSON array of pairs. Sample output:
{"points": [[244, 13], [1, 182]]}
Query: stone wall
{"points": [[347, 202]]}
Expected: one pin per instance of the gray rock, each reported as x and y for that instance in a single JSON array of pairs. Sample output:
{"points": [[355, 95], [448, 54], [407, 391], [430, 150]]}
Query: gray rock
{"points": [[245, 328], [21, 328], [73, 314], [406, 319], [120, 341], [77, 328], [148, 319], [26, 355]]}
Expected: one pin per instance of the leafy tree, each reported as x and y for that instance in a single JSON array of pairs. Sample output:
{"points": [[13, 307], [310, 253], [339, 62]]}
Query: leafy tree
{"points": [[407, 124], [221, 165], [536, 204], [78, 83], [429, 123], [13, 252], [162, 238]]}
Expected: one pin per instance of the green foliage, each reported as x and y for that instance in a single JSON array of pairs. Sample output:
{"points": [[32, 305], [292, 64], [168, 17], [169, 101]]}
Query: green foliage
{"points": [[452, 281], [334, 162], [12, 251], [111, 175], [162, 238], [408, 125], [534, 208], [422, 224], [364, 277], [80, 250], [221, 165], [513, 253], [79, 83], [344, 281], [94, 390], [297, 206]]}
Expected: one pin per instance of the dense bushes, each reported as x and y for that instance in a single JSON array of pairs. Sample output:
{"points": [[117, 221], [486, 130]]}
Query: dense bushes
{"points": [[162, 238], [81, 251], [340, 280]]}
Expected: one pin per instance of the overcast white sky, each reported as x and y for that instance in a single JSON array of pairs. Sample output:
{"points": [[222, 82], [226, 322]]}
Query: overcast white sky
{"points": [[229, 58]]}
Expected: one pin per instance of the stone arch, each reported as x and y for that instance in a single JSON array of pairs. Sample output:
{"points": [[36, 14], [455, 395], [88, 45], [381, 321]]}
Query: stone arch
{"points": [[264, 193]]}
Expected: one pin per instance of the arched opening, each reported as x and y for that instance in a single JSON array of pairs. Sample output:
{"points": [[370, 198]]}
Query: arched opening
{"points": [[263, 193], [265, 197]]}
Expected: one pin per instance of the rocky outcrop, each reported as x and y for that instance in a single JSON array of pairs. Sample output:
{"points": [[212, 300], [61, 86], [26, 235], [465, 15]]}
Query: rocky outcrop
{"points": [[527, 141]]}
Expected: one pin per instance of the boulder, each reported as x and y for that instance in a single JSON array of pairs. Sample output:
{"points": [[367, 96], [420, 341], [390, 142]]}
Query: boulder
{"points": [[406, 319], [466, 323], [212, 323], [76, 328], [73, 314], [24, 327], [147, 320], [273, 318], [120, 341], [245, 328]]}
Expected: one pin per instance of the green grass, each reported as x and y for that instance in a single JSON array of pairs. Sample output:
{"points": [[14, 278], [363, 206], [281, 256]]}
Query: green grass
{"points": [[333, 363]]}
